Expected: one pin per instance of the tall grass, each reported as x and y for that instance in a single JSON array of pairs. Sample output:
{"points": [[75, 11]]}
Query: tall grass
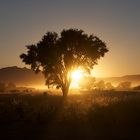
{"points": [[90, 114]]}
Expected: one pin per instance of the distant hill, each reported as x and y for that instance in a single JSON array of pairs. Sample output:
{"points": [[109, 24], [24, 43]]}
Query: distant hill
{"points": [[21, 76], [26, 77], [135, 79]]}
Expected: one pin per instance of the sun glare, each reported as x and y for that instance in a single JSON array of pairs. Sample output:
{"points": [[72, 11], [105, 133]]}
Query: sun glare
{"points": [[76, 76]]}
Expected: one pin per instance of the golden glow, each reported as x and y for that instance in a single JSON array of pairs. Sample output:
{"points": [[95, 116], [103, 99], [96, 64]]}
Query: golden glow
{"points": [[40, 87], [76, 76]]}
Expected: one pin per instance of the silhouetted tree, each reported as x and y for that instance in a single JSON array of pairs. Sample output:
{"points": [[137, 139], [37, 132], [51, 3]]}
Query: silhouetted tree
{"points": [[136, 87], [11, 86], [124, 86], [2, 87], [57, 56], [109, 86], [100, 85]]}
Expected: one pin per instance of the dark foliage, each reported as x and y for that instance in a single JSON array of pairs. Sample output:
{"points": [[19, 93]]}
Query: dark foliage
{"points": [[136, 87]]}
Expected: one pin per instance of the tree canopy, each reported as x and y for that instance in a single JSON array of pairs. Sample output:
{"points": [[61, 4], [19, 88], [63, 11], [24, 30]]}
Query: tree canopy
{"points": [[58, 55]]}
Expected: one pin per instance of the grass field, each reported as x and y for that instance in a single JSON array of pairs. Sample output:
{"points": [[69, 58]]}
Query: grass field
{"points": [[93, 115]]}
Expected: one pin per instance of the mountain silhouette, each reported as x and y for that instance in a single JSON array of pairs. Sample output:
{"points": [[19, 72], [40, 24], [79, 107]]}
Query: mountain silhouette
{"points": [[21, 76]]}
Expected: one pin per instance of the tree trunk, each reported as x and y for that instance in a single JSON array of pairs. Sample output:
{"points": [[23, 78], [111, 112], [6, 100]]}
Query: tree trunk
{"points": [[65, 90]]}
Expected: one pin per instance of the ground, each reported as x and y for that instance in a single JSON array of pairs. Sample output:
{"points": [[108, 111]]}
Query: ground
{"points": [[90, 115]]}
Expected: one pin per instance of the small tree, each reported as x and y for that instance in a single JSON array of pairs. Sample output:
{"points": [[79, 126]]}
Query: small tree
{"points": [[109, 86], [100, 85], [57, 56], [2, 87], [11, 86], [136, 87], [124, 86]]}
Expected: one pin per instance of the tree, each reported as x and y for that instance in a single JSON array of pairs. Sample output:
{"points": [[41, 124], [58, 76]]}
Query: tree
{"points": [[136, 87], [2, 87], [57, 56], [109, 86], [124, 86], [100, 85], [11, 86]]}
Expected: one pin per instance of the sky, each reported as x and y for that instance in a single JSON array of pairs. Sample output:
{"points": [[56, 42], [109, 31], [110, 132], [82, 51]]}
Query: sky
{"points": [[117, 22]]}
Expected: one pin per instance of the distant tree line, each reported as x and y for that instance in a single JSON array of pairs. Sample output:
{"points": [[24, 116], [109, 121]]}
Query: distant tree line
{"points": [[11, 87], [7, 87], [90, 83]]}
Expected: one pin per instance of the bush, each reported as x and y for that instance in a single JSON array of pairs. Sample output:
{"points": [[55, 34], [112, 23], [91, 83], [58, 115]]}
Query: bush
{"points": [[137, 87]]}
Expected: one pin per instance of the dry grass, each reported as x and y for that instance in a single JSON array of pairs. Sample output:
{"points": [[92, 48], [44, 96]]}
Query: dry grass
{"points": [[90, 115]]}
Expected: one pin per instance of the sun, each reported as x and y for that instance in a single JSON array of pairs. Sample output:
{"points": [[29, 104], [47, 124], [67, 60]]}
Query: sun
{"points": [[76, 76]]}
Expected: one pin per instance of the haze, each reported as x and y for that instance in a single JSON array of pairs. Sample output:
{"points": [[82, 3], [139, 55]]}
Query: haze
{"points": [[115, 21]]}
